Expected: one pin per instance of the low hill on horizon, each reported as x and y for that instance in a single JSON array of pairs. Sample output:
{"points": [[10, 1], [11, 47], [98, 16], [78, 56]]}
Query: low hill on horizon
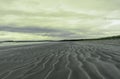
{"points": [[104, 38]]}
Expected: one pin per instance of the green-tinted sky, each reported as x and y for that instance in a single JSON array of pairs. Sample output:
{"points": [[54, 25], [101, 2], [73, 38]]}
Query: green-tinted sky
{"points": [[58, 19]]}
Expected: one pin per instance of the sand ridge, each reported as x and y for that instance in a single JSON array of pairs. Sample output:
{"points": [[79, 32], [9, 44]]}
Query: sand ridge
{"points": [[62, 60]]}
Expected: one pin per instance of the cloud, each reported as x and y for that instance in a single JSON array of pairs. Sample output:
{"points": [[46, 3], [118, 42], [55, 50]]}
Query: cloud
{"points": [[22, 36], [38, 31], [60, 19], [28, 29]]}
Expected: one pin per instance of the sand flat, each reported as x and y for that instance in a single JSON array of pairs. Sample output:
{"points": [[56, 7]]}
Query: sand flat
{"points": [[62, 60]]}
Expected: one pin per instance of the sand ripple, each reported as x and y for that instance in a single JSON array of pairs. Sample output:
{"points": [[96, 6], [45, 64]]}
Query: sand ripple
{"points": [[65, 60]]}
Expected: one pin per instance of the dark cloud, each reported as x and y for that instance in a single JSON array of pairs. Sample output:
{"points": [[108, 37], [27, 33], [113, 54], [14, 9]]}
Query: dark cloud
{"points": [[40, 31], [27, 29]]}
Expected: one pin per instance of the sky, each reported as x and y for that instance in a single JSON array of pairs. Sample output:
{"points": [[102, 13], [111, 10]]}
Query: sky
{"points": [[58, 19]]}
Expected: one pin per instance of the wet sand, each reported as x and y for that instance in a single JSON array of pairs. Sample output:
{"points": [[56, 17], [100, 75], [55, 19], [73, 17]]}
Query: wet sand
{"points": [[62, 60]]}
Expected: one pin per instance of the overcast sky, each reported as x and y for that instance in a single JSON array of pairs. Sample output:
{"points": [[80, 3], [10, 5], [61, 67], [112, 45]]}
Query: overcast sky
{"points": [[58, 19]]}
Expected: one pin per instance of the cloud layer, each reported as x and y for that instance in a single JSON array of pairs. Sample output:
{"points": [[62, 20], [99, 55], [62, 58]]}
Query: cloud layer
{"points": [[63, 19]]}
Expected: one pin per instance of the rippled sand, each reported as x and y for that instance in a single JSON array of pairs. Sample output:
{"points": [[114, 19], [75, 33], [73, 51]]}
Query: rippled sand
{"points": [[62, 60]]}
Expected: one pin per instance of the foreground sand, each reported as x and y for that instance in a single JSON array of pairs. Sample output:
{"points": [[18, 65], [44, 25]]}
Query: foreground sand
{"points": [[63, 60]]}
